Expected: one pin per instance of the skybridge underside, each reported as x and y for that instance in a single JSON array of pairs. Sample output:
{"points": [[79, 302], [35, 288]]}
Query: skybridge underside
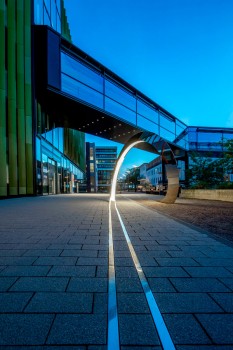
{"points": [[79, 93]]}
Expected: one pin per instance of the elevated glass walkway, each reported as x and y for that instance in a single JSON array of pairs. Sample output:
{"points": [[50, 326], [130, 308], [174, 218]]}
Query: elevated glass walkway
{"points": [[95, 86]]}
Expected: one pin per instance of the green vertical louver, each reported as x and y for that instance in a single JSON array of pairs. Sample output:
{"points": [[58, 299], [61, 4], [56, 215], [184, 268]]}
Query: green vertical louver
{"points": [[20, 97], [12, 125], [3, 164], [16, 146], [28, 96]]}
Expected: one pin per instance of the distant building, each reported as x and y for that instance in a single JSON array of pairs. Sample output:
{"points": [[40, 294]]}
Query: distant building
{"points": [[100, 163], [91, 171]]}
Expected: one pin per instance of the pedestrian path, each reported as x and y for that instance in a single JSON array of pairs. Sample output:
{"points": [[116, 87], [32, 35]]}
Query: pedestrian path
{"points": [[54, 277]]}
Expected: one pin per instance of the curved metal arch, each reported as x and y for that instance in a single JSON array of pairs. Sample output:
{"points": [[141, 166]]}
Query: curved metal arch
{"points": [[160, 147]]}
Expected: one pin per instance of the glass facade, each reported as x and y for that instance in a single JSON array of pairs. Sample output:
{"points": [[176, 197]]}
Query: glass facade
{"points": [[48, 12], [92, 86], [204, 139], [106, 158]]}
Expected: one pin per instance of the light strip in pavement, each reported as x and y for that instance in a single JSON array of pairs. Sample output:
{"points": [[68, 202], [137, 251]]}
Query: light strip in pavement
{"points": [[113, 331], [162, 330]]}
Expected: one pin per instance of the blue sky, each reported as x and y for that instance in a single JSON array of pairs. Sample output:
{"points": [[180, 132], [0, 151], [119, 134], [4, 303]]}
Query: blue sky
{"points": [[177, 52]]}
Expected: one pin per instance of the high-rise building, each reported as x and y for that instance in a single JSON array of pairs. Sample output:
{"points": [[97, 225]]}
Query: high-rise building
{"points": [[106, 158], [37, 155], [91, 171]]}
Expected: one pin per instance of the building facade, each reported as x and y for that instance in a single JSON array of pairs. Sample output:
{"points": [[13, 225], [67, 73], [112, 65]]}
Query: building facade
{"points": [[106, 158], [36, 155], [91, 170]]}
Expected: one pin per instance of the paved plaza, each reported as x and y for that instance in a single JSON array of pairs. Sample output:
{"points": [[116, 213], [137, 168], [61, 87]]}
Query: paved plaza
{"points": [[54, 276]]}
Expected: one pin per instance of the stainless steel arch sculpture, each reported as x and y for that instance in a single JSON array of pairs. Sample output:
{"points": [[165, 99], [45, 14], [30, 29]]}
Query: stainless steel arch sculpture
{"points": [[169, 152]]}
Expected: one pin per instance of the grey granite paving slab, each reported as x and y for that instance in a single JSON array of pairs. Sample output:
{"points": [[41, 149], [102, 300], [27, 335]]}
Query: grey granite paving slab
{"points": [[184, 329], [165, 272], [25, 271], [22, 329], [85, 261], [218, 327], [6, 283], [61, 303], [186, 303], [56, 261], [137, 330], [78, 253], [78, 329], [132, 303], [215, 261], [12, 252], [43, 252], [227, 281], [176, 262], [126, 271], [72, 271], [18, 261], [14, 302], [128, 285], [40, 284], [161, 285], [100, 303], [90, 285], [198, 284], [208, 271], [225, 300]]}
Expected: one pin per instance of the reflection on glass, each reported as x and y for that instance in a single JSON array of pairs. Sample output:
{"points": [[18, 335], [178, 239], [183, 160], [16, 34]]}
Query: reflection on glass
{"points": [[147, 111], [167, 134], [79, 72], [81, 91], [120, 95], [147, 124], [119, 110], [167, 123]]}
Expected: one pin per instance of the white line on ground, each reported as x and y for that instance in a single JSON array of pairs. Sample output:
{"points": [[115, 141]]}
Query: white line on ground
{"points": [[113, 331], [160, 325]]}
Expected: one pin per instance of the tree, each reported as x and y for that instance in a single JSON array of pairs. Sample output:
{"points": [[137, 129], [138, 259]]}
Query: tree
{"points": [[227, 160], [204, 172]]}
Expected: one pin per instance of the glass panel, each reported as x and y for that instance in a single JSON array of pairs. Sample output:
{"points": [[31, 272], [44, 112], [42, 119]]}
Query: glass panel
{"points": [[81, 91], [209, 137], [147, 111], [53, 14], [59, 6], [147, 124], [61, 140], [38, 149], [47, 4], [38, 11], [46, 18], [49, 136], [119, 110], [120, 95], [78, 71], [45, 173], [58, 24], [56, 137], [167, 134], [180, 127], [167, 123]]}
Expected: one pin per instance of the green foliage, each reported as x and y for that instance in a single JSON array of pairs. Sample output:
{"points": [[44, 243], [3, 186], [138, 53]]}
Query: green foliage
{"points": [[208, 173]]}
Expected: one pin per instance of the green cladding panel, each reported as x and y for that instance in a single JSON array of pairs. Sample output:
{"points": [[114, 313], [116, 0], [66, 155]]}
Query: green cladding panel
{"points": [[16, 151], [12, 122], [3, 163], [75, 147]]}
